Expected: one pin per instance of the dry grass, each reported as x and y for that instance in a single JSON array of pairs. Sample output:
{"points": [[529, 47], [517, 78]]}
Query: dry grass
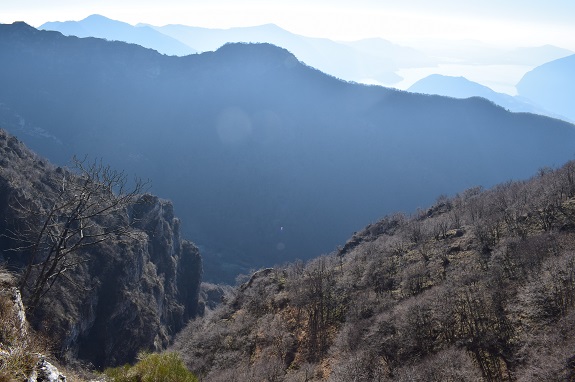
{"points": [[18, 345], [165, 367]]}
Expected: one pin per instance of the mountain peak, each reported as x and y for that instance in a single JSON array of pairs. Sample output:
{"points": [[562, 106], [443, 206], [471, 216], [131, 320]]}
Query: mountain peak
{"points": [[271, 27], [96, 16], [240, 49], [451, 86], [254, 46], [20, 26], [102, 20], [17, 28]]}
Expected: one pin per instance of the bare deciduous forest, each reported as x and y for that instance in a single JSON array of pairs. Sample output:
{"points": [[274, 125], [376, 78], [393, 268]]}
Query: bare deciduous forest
{"points": [[478, 287]]}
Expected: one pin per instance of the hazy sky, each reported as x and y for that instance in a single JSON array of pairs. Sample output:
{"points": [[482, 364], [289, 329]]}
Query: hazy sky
{"points": [[515, 22]]}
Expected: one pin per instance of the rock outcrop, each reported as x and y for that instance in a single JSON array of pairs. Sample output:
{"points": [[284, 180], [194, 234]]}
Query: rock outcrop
{"points": [[44, 371], [127, 294], [20, 352]]}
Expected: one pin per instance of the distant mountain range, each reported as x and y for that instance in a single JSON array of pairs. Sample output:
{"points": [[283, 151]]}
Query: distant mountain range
{"points": [[370, 61], [360, 61], [460, 87], [102, 27], [266, 159], [547, 90]]}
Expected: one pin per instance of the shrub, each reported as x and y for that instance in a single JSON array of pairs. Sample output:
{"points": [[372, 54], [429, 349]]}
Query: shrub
{"points": [[165, 367]]}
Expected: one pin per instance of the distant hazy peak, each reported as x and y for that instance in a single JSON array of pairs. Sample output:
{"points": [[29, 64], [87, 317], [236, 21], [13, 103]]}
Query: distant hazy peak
{"points": [[96, 16], [92, 18], [452, 86]]}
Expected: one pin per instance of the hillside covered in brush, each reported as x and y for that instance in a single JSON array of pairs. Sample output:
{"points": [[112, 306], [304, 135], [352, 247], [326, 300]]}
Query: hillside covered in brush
{"points": [[124, 280], [479, 287], [266, 159]]}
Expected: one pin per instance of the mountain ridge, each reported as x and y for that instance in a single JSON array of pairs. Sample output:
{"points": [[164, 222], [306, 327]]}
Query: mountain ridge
{"points": [[369, 61], [461, 87], [102, 27], [256, 149], [348, 61]]}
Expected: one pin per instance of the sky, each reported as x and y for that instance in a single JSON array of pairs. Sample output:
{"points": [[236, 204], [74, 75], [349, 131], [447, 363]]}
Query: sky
{"points": [[504, 22]]}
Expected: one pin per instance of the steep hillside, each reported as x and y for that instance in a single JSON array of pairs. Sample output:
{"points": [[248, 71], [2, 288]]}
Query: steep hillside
{"points": [[266, 159], [479, 287], [114, 292], [551, 86]]}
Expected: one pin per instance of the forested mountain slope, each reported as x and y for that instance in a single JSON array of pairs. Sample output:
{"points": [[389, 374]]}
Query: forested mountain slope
{"points": [[123, 281], [266, 159], [479, 287]]}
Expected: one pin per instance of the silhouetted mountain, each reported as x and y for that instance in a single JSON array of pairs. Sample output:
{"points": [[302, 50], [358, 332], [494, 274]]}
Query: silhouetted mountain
{"points": [[552, 86], [479, 287], [366, 60], [102, 27], [266, 159], [460, 87]]}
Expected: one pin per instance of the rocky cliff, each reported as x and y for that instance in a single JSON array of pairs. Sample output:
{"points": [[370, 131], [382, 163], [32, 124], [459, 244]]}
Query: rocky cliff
{"points": [[129, 293]]}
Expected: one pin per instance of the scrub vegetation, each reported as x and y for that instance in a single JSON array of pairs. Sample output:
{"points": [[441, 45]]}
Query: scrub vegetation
{"points": [[479, 287], [166, 367]]}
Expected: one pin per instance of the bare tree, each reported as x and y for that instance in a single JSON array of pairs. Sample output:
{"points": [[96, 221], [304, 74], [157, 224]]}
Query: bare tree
{"points": [[74, 211]]}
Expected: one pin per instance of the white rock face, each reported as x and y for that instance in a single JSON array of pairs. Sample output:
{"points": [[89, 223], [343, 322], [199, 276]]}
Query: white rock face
{"points": [[46, 372], [20, 311]]}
